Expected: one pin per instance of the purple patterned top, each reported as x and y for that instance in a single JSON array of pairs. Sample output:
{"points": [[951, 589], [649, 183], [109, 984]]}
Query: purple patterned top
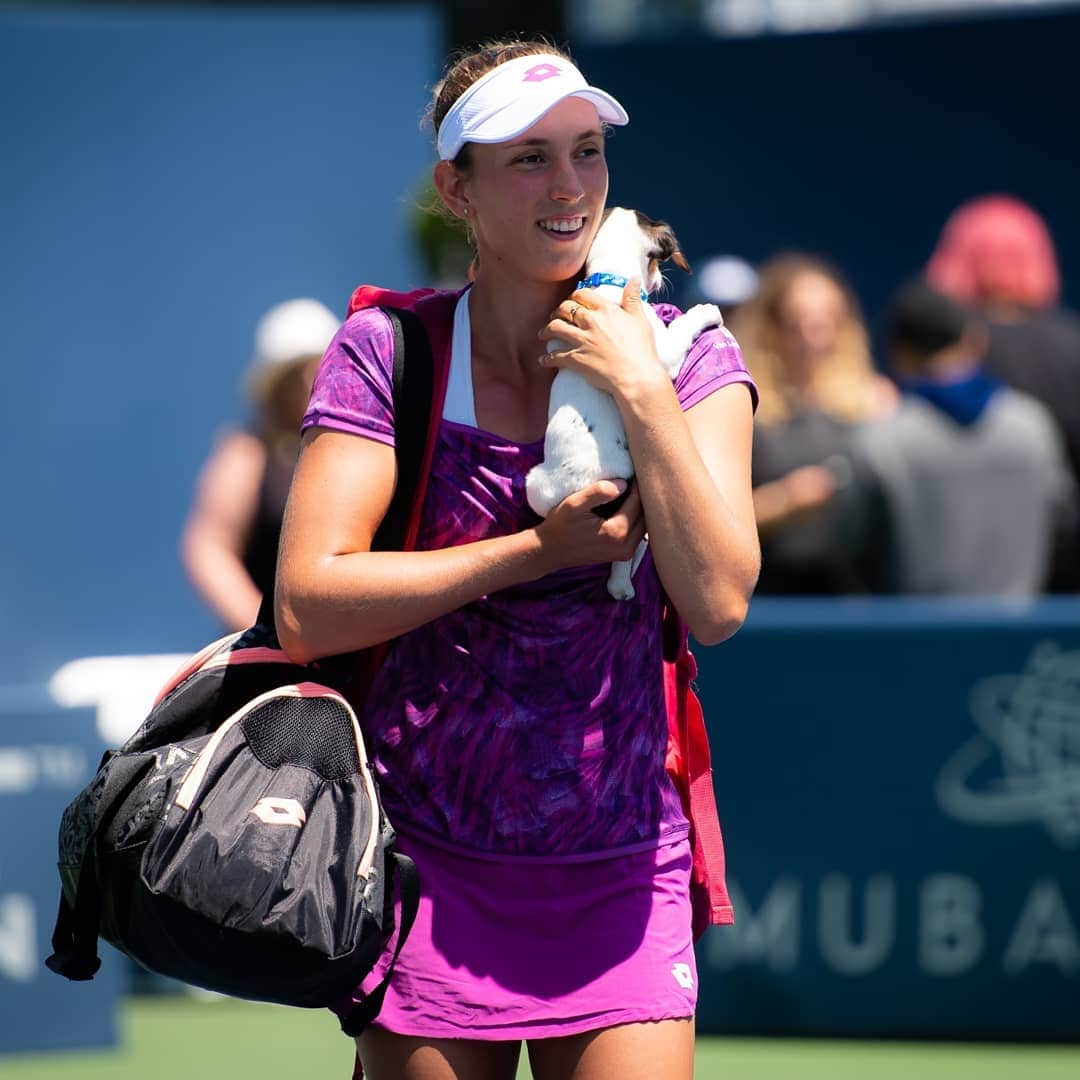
{"points": [[531, 721]]}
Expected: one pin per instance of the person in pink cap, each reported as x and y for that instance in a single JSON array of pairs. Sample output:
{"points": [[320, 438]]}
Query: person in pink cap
{"points": [[518, 724]]}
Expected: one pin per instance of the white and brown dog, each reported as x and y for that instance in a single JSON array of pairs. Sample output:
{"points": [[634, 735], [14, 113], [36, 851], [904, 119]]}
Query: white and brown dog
{"points": [[585, 439]]}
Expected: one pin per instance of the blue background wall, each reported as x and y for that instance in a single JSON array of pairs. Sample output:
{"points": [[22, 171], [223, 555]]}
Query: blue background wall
{"points": [[899, 786], [167, 177]]}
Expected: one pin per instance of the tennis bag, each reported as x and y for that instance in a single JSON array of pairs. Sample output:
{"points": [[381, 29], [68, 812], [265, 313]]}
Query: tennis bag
{"points": [[236, 841]]}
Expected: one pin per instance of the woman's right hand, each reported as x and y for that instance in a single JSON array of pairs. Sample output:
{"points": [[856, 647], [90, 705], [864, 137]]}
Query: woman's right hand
{"points": [[573, 534], [802, 491]]}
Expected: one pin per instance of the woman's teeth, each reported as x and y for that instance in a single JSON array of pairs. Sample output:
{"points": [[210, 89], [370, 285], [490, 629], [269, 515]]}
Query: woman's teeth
{"points": [[563, 224]]}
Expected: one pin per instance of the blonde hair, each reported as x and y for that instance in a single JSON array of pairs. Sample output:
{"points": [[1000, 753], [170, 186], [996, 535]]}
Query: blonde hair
{"points": [[843, 385]]}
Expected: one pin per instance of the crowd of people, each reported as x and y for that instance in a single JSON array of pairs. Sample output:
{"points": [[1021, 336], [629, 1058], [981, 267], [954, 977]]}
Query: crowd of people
{"points": [[947, 465]]}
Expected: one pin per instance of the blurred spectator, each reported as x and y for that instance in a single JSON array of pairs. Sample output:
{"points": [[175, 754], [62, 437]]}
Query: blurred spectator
{"points": [[996, 255], [806, 345], [230, 540], [724, 280], [968, 483]]}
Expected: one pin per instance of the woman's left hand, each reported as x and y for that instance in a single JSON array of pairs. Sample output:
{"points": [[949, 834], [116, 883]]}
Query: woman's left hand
{"points": [[610, 345]]}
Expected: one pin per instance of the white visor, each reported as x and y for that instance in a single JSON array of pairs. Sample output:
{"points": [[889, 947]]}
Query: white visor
{"points": [[512, 97]]}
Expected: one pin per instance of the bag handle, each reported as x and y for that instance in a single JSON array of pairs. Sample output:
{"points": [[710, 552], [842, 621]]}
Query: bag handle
{"points": [[74, 938], [361, 1014]]}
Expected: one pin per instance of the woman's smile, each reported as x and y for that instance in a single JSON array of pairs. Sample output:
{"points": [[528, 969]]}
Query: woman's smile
{"points": [[563, 229]]}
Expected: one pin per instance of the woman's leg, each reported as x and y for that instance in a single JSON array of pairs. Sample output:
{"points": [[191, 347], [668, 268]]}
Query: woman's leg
{"points": [[627, 1051], [387, 1056]]}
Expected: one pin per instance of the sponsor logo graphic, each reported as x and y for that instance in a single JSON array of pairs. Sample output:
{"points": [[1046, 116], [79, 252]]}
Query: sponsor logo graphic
{"points": [[176, 754], [540, 72], [683, 975], [1023, 767], [275, 811]]}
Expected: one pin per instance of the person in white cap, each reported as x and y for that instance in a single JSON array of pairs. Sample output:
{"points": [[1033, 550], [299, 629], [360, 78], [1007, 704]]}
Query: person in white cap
{"points": [[230, 539], [518, 724]]}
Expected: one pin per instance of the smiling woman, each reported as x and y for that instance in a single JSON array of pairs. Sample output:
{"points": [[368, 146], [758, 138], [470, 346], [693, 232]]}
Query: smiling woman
{"points": [[518, 723]]}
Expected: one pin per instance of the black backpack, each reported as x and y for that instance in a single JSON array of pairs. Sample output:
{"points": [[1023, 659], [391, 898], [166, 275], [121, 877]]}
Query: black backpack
{"points": [[236, 841]]}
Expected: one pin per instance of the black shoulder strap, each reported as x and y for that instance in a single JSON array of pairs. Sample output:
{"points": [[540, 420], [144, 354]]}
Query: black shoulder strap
{"points": [[413, 387]]}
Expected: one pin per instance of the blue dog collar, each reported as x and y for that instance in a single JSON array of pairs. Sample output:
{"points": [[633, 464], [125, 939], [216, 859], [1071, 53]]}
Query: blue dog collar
{"points": [[595, 280]]}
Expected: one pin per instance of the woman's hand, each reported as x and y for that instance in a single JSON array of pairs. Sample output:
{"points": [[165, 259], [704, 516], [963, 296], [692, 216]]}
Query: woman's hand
{"points": [[611, 345], [574, 534], [793, 496]]}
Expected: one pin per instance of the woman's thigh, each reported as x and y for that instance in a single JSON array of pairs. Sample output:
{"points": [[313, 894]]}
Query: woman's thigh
{"points": [[386, 1056], [628, 1051]]}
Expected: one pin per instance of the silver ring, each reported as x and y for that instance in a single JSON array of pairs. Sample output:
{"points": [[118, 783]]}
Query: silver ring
{"points": [[573, 313]]}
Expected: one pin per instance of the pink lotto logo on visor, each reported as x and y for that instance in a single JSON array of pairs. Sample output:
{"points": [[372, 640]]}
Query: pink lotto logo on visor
{"points": [[541, 72], [512, 97]]}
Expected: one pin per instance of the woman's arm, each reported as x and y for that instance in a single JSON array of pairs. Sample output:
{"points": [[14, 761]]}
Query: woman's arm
{"points": [[334, 594], [693, 468], [217, 528]]}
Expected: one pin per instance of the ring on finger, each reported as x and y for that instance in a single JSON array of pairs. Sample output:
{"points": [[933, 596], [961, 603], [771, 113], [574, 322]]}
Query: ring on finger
{"points": [[573, 312]]}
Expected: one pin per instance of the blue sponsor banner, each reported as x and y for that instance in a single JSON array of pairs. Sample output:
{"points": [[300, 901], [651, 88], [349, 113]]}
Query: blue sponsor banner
{"points": [[899, 784], [47, 754]]}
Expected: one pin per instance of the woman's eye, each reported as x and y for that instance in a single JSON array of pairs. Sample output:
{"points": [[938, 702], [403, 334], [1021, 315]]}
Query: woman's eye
{"points": [[528, 159], [589, 151]]}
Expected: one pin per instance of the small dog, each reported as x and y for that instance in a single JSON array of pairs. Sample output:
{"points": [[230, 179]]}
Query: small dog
{"points": [[585, 439]]}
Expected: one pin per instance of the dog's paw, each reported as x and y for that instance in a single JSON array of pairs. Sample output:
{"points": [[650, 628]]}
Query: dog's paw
{"points": [[540, 491], [619, 584], [702, 316]]}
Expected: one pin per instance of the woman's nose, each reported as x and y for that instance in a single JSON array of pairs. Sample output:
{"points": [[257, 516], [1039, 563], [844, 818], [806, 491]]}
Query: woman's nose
{"points": [[566, 186]]}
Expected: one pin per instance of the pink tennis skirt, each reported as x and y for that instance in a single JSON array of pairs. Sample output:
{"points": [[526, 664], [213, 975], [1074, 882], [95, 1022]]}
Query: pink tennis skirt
{"points": [[527, 949]]}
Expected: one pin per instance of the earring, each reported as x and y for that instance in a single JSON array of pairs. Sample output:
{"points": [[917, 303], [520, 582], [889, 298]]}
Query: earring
{"points": [[465, 212]]}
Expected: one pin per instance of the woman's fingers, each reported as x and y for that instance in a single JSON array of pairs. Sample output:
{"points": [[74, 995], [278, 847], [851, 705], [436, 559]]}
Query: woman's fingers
{"points": [[603, 491], [565, 331], [582, 536]]}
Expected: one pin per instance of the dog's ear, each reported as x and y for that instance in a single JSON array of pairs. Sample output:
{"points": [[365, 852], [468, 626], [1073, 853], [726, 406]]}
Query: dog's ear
{"points": [[679, 259], [663, 243]]}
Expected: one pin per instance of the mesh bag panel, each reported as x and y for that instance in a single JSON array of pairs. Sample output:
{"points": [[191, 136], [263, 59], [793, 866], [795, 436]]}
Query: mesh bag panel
{"points": [[316, 733]]}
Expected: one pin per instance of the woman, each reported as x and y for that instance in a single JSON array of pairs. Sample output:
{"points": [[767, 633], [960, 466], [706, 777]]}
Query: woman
{"points": [[230, 539], [518, 723], [807, 348], [996, 255]]}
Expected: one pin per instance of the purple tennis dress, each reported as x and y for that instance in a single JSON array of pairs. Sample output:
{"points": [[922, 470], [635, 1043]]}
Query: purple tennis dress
{"points": [[519, 744]]}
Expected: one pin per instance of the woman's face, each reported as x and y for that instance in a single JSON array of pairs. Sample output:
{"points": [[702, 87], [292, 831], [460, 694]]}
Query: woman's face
{"points": [[810, 316], [535, 202]]}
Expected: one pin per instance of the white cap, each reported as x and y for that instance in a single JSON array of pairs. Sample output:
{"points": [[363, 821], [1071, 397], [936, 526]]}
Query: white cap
{"points": [[512, 97], [291, 331], [727, 280]]}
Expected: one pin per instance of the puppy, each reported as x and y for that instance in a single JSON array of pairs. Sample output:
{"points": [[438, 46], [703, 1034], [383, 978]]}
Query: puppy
{"points": [[585, 439]]}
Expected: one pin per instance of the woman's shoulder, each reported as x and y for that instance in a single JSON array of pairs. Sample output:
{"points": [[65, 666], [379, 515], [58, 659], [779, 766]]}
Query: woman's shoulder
{"points": [[368, 329], [353, 388]]}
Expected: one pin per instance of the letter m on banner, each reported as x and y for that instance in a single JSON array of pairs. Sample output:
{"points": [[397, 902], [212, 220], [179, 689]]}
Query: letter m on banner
{"points": [[768, 935]]}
